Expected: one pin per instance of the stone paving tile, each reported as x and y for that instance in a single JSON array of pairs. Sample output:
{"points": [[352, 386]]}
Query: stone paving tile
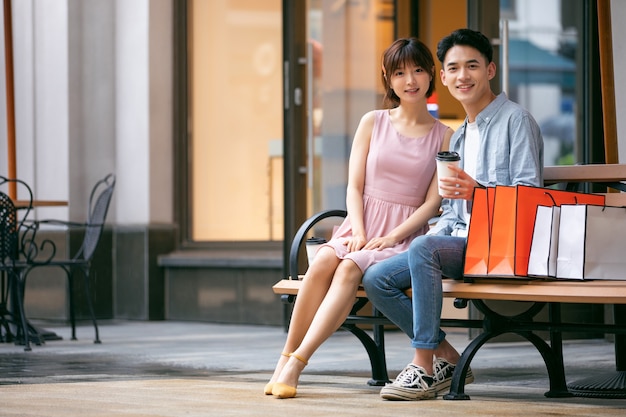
{"points": [[179, 368]]}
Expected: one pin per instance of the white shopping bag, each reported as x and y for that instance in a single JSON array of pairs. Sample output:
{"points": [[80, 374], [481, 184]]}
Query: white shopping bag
{"points": [[591, 242], [543, 249]]}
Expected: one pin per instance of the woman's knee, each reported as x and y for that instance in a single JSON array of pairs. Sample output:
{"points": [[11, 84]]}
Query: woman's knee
{"points": [[325, 262], [348, 271], [325, 256]]}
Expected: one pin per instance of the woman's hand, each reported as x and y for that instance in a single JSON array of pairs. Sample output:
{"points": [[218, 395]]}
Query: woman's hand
{"points": [[461, 187], [355, 243], [380, 243]]}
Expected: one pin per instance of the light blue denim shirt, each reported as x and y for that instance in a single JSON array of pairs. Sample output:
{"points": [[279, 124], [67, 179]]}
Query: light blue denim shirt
{"points": [[510, 153]]}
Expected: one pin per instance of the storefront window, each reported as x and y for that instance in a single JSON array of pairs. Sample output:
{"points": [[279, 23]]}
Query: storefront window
{"points": [[236, 119]]}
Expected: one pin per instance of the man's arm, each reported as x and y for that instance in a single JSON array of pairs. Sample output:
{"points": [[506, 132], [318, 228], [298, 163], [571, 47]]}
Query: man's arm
{"points": [[526, 155]]}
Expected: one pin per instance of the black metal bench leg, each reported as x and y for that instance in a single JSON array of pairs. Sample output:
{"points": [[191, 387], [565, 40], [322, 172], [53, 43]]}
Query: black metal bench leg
{"points": [[612, 384], [375, 352], [556, 369], [554, 365], [457, 387], [619, 313], [381, 376]]}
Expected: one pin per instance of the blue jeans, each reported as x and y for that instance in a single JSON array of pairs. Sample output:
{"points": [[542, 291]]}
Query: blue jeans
{"points": [[421, 268]]}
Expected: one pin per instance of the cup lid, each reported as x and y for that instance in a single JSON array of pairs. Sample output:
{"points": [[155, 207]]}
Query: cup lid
{"points": [[448, 156], [315, 241]]}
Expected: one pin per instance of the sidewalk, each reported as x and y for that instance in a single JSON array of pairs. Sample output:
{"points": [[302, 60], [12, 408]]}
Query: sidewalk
{"points": [[201, 369]]}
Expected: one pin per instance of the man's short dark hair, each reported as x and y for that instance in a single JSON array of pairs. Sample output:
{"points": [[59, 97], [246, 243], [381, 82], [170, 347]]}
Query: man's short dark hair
{"points": [[465, 37]]}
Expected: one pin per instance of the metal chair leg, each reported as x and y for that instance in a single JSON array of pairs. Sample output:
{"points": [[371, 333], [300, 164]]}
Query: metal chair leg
{"points": [[90, 304]]}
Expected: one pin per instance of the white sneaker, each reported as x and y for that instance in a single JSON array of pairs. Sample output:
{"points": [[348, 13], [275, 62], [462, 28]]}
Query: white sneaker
{"points": [[443, 371], [411, 384]]}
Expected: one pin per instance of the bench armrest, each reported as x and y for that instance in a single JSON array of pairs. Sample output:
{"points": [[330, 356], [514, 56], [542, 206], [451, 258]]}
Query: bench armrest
{"points": [[299, 238]]}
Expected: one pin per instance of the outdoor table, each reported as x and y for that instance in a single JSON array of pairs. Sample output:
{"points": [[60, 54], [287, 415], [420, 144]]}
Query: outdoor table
{"points": [[23, 204]]}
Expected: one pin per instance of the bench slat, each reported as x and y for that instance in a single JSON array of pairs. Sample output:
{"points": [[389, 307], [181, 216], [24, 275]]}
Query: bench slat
{"points": [[584, 173], [589, 292]]}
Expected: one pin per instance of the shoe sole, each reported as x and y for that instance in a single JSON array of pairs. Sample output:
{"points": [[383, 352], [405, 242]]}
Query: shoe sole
{"points": [[393, 393]]}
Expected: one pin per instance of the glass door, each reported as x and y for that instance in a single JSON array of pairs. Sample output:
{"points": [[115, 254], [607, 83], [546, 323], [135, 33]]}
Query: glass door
{"points": [[345, 40], [332, 77], [540, 39]]}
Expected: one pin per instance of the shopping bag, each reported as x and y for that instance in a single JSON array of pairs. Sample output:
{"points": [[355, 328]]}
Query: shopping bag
{"points": [[513, 221], [543, 247], [479, 231], [591, 242]]}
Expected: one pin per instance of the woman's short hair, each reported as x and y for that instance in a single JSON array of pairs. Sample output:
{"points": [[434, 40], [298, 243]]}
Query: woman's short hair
{"points": [[397, 55]]}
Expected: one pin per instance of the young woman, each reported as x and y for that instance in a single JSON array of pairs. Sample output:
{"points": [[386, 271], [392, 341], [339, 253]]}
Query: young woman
{"points": [[391, 195]]}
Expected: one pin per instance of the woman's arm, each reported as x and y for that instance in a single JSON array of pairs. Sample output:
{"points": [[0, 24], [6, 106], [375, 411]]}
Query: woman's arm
{"points": [[356, 181]]}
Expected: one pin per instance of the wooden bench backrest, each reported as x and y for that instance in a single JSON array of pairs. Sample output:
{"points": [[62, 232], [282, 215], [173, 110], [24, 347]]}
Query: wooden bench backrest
{"points": [[595, 173]]}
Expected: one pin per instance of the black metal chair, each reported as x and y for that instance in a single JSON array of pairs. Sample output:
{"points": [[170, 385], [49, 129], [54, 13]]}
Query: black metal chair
{"points": [[99, 202], [16, 240]]}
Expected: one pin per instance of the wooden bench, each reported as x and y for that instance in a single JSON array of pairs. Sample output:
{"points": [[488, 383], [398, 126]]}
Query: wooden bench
{"points": [[539, 292]]}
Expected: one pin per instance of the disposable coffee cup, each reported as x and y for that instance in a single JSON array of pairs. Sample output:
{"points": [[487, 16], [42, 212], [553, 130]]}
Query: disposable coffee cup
{"points": [[312, 246], [444, 160]]}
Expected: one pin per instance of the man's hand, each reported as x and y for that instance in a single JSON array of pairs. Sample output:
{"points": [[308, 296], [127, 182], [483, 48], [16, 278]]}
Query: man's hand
{"points": [[461, 187]]}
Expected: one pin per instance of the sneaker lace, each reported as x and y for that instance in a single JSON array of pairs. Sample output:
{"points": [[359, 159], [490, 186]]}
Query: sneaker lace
{"points": [[442, 370], [410, 375]]}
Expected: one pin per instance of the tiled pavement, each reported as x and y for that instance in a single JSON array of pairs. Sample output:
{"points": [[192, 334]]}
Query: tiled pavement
{"points": [[201, 369]]}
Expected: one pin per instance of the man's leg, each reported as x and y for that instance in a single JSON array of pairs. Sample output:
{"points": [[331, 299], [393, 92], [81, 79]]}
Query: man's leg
{"points": [[385, 283], [429, 258]]}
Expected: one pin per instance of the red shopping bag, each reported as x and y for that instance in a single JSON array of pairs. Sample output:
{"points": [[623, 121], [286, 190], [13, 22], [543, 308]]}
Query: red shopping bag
{"points": [[514, 212], [479, 231]]}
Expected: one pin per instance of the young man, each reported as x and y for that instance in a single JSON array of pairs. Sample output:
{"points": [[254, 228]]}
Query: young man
{"points": [[500, 144]]}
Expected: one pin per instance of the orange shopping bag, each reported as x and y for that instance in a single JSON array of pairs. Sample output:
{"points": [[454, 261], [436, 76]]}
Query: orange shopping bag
{"points": [[514, 212], [479, 231]]}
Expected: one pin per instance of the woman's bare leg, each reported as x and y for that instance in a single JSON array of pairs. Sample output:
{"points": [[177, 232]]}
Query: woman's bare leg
{"points": [[331, 313], [314, 287]]}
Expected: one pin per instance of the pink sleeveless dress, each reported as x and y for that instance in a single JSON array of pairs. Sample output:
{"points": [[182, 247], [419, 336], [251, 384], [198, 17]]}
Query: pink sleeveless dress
{"points": [[398, 173]]}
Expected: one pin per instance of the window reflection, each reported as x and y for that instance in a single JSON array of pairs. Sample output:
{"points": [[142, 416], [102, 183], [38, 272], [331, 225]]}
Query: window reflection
{"points": [[542, 70], [347, 40]]}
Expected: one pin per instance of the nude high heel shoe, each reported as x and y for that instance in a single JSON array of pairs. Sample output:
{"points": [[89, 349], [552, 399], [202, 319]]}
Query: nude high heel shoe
{"points": [[281, 390], [270, 385]]}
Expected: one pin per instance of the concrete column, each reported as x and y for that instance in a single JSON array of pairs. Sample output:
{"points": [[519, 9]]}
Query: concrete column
{"points": [[144, 157], [143, 88]]}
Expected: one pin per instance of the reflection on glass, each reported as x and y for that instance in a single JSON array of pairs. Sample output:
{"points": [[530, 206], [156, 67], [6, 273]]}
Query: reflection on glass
{"points": [[542, 70], [347, 39]]}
